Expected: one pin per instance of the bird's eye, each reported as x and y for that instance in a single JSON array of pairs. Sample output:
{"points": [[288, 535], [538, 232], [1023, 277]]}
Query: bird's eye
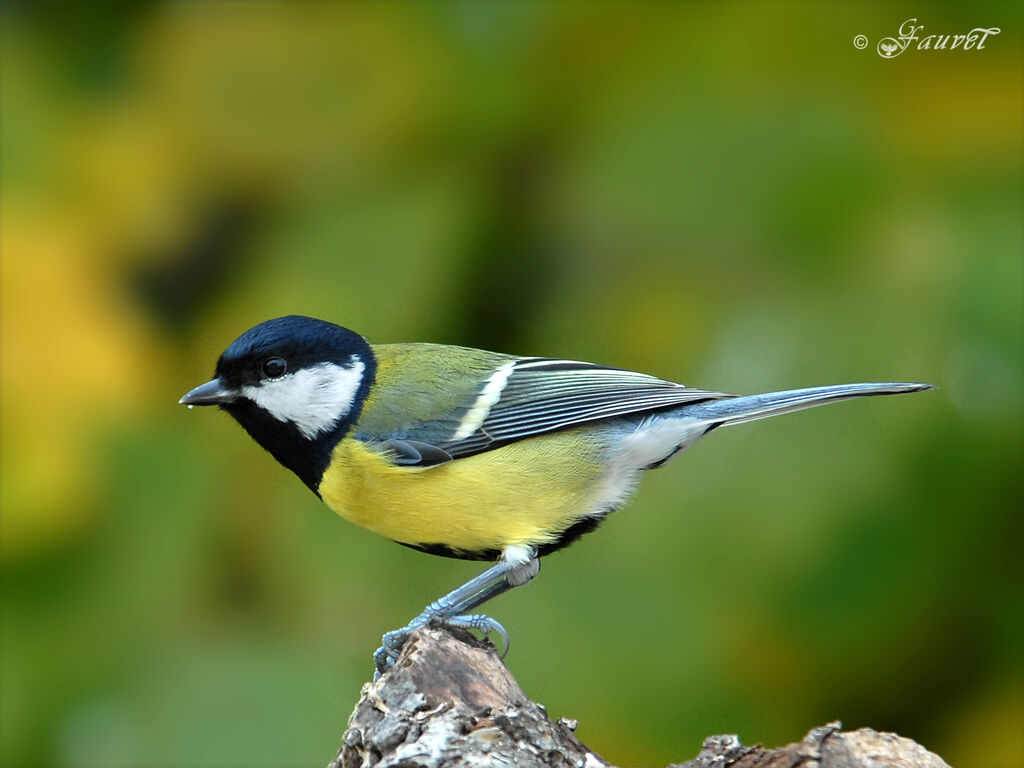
{"points": [[274, 367]]}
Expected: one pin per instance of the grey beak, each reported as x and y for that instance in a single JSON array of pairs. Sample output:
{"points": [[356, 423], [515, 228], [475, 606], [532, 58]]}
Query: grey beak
{"points": [[211, 393]]}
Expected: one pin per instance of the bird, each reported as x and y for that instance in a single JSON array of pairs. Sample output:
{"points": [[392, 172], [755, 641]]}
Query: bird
{"points": [[466, 453]]}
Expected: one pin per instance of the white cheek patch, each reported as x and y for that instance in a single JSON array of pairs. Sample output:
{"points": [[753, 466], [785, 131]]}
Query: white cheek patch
{"points": [[314, 399]]}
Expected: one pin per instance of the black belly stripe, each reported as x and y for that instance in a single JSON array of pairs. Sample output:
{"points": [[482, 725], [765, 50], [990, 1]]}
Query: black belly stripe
{"points": [[567, 537]]}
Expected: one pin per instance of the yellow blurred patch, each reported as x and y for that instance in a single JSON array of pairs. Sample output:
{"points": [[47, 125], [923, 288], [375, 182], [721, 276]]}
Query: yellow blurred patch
{"points": [[275, 94], [72, 360], [977, 105], [988, 732]]}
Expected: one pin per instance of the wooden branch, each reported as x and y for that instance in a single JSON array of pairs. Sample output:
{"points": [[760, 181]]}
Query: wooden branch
{"points": [[450, 701], [825, 747]]}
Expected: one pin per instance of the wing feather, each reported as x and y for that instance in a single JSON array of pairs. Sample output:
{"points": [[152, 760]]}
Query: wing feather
{"points": [[539, 395]]}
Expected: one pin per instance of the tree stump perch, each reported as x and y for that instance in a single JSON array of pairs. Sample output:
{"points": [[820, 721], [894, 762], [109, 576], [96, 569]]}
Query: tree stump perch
{"points": [[450, 701]]}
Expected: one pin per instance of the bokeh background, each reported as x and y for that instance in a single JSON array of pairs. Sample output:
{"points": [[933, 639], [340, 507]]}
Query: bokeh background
{"points": [[725, 194]]}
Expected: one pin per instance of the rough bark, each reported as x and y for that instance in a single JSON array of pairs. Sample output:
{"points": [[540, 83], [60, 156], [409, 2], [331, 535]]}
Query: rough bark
{"points": [[450, 701]]}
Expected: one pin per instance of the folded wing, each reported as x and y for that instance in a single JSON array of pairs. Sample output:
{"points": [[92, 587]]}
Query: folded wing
{"points": [[524, 397]]}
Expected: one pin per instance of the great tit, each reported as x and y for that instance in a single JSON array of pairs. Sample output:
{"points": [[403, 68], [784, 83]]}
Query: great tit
{"points": [[466, 453]]}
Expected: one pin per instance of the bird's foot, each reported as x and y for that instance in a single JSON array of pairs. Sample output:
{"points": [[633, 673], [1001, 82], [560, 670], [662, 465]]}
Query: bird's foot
{"points": [[392, 643]]}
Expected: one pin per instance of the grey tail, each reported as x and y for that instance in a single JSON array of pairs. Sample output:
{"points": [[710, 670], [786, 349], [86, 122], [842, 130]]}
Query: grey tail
{"points": [[736, 410]]}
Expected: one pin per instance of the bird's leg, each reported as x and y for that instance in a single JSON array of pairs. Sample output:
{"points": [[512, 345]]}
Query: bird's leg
{"points": [[451, 610]]}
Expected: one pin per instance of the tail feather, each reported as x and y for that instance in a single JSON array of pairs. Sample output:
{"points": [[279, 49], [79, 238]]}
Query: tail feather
{"points": [[737, 410]]}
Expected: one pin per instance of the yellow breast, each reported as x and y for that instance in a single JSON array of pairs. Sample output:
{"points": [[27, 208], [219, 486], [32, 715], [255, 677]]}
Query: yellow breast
{"points": [[525, 493]]}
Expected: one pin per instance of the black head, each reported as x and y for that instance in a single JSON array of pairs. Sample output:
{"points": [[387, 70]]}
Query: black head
{"points": [[296, 384]]}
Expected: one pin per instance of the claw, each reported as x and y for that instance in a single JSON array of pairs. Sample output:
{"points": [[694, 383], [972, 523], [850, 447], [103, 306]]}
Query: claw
{"points": [[495, 626], [381, 662], [483, 624], [391, 645]]}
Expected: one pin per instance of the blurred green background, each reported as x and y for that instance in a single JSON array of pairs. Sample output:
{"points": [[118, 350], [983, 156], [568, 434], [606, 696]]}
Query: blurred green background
{"points": [[730, 195]]}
